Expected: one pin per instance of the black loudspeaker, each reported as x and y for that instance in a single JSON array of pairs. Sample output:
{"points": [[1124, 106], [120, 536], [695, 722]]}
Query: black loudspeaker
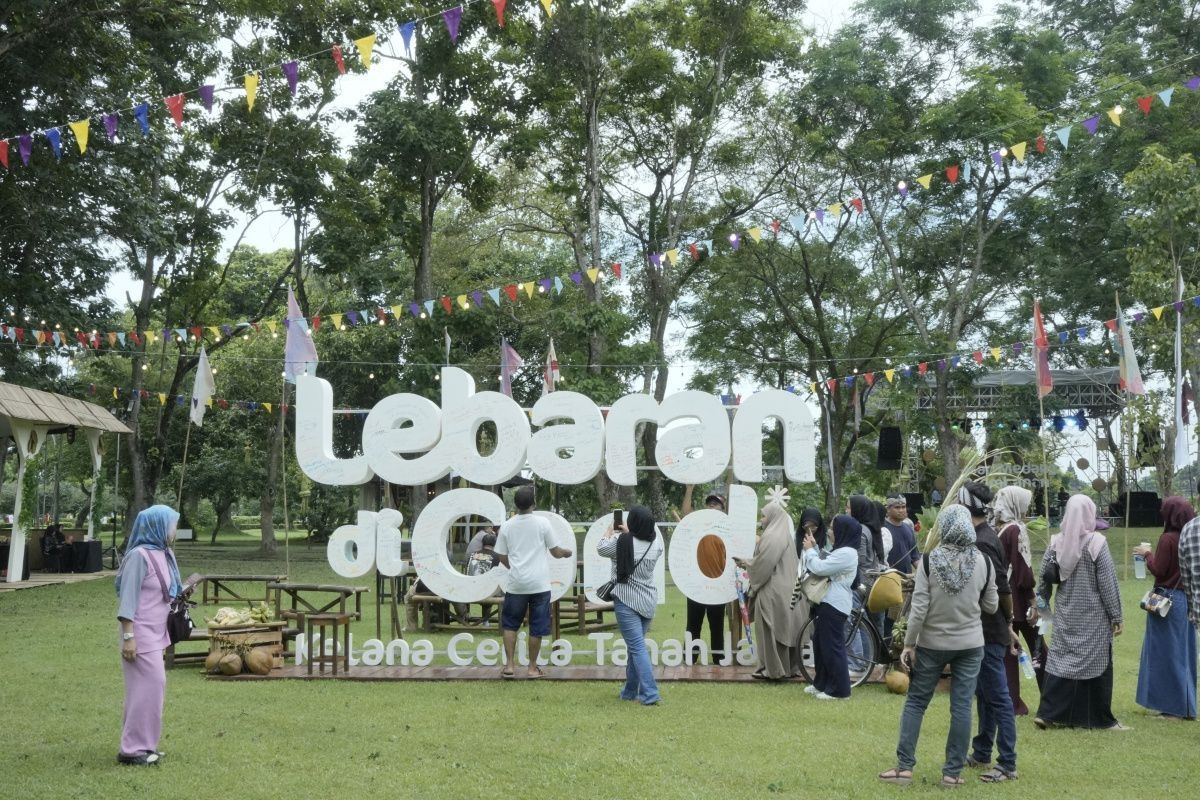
{"points": [[891, 449], [916, 504], [1144, 510]]}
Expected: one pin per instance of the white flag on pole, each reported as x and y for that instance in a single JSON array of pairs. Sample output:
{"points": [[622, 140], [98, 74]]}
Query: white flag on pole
{"points": [[551, 376], [202, 389], [1182, 454]]}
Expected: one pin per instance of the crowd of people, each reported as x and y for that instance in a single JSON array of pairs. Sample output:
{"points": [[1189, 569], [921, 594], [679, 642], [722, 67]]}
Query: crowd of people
{"points": [[979, 606]]}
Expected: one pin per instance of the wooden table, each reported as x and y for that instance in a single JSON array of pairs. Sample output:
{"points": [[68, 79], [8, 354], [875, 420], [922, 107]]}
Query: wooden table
{"points": [[303, 603], [211, 587]]}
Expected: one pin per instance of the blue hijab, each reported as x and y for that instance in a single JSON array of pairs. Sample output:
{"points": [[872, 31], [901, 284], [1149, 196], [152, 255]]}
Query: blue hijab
{"points": [[150, 530]]}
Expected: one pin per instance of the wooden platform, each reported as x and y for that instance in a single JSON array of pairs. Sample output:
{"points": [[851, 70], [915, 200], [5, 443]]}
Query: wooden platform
{"points": [[451, 673], [37, 579]]}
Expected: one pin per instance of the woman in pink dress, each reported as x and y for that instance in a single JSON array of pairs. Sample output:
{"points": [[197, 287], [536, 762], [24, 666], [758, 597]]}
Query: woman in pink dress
{"points": [[146, 583]]}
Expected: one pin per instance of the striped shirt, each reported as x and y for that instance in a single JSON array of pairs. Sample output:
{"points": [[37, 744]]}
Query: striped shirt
{"points": [[1189, 567], [639, 592]]}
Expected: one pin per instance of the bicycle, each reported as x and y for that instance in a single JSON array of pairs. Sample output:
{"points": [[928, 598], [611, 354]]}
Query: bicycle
{"points": [[866, 647]]}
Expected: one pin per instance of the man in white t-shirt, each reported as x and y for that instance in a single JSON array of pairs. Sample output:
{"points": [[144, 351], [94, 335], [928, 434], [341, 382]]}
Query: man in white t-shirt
{"points": [[522, 546]]}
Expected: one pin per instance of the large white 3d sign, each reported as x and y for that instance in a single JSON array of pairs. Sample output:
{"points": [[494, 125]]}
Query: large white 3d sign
{"points": [[409, 440]]}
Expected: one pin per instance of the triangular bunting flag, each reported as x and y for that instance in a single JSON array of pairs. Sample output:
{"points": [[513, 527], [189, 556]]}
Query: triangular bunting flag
{"points": [[1158, 312], [406, 33], [365, 45], [175, 106], [429, 308], [616, 269], [966, 171], [549, 6], [4, 152], [890, 374], [1111, 324], [672, 256], [558, 285], [1144, 103], [511, 291], [267, 407], [112, 339], [995, 353], [25, 147], [452, 16], [447, 303], [1092, 123], [1064, 135], [870, 378], [291, 71], [1165, 96], [336, 52], [463, 302], [495, 295], [80, 129], [337, 321], [251, 90], [206, 96], [836, 209], [162, 398], [55, 137], [1114, 114], [141, 113], [952, 174], [755, 233], [499, 6], [528, 286], [593, 275], [1018, 151], [925, 180], [858, 204], [977, 356], [1040, 143]]}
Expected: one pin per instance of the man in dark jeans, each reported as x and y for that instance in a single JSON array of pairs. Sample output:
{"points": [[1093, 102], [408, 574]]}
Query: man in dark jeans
{"points": [[997, 723]]}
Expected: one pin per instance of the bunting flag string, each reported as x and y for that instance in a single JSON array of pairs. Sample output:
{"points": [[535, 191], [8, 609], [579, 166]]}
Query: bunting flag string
{"points": [[181, 400]]}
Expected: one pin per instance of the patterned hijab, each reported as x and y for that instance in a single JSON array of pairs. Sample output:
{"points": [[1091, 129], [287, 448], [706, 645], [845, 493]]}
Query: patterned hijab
{"points": [[952, 562], [1010, 505], [1078, 530], [152, 530]]}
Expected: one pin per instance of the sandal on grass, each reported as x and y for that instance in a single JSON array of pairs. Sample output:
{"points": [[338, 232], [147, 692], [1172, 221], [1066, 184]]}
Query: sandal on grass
{"points": [[900, 777], [977, 764], [952, 781], [536, 672], [507, 674], [138, 760], [998, 775]]}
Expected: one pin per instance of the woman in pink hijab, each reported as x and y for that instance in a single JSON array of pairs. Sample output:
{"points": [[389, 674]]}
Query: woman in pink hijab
{"points": [[1078, 569]]}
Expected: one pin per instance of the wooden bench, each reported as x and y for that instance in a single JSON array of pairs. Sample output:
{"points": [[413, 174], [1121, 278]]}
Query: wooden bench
{"points": [[427, 603], [576, 610], [217, 590], [305, 599]]}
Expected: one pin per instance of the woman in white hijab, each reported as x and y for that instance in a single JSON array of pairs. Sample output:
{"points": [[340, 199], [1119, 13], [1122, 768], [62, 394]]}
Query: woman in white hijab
{"points": [[773, 572], [1079, 570]]}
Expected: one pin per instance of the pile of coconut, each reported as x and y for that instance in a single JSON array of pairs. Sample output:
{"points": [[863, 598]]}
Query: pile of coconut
{"points": [[232, 658]]}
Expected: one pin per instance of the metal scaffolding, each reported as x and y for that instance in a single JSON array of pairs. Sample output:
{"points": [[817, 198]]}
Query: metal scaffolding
{"points": [[1095, 392]]}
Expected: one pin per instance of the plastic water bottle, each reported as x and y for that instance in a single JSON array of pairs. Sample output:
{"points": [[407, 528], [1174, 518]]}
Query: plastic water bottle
{"points": [[1026, 664], [1139, 567]]}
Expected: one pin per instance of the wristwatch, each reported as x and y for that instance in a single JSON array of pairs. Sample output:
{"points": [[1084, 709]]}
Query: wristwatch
{"points": [[126, 636]]}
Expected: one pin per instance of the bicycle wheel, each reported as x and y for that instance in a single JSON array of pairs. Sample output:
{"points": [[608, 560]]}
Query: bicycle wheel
{"points": [[862, 650]]}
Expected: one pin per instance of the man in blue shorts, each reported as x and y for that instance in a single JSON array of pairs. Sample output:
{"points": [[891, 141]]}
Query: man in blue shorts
{"points": [[522, 546]]}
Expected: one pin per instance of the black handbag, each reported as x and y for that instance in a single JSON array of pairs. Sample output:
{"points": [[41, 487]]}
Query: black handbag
{"points": [[179, 617], [605, 590]]}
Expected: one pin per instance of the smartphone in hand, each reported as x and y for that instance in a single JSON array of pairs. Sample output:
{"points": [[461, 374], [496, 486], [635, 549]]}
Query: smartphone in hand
{"points": [[618, 518]]}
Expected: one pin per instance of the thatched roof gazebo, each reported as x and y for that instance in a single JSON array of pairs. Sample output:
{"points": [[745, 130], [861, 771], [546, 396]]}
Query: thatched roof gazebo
{"points": [[29, 417]]}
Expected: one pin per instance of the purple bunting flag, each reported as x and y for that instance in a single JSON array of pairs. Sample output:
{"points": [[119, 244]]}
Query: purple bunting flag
{"points": [[1193, 83], [577, 277], [735, 241], [941, 365], [656, 260], [352, 316], [1138, 317], [1017, 348], [999, 159], [452, 16], [477, 297], [820, 216], [25, 147], [110, 126], [291, 70], [414, 309], [954, 362], [1091, 123], [545, 284], [206, 96], [1178, 306], [55, 137]]}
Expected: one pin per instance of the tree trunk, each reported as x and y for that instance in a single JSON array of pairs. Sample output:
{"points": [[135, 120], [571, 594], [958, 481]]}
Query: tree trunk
{"points": [[224, 509], [948, 440]]}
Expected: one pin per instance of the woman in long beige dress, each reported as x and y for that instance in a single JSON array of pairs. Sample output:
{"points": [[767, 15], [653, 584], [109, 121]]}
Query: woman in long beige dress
{"points": [[772, 573]]}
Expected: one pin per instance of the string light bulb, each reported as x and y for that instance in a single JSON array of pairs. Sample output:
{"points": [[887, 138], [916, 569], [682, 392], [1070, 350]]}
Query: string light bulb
{"points": [[1118, 109], [371, 376], [1003, 152], [902, 186]]}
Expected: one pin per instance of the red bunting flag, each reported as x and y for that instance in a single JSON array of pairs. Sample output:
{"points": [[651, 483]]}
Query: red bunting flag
{"points": [[1041, 353], [175, 106], [4, 152], [499, 4], [1144, 104], [336, 51], [197, 332], [952, 174], [616, 269], [511, 291], [775, 227], [447, 303], [832, 384], [1111, 324], [858, 204], [870, 378], [695, 251], [978, 356], [922, 367], [137, 339], [1040, 144], [316, 323]]}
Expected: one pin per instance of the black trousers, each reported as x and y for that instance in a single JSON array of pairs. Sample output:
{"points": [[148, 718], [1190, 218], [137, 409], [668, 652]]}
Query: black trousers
{"points": [[829, 652], [696, 612]]}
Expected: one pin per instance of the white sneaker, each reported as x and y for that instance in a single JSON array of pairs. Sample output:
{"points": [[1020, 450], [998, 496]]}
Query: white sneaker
{"points": [[810, 689], [823, 696]]}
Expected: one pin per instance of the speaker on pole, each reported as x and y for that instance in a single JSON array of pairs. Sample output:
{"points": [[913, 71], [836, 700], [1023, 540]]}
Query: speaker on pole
{"points": [[891, 449]]}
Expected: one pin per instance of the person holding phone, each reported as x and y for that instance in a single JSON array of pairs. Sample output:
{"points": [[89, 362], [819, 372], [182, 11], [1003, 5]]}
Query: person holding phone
{"points": [[146, 583], [634, 549], [954, 585]]}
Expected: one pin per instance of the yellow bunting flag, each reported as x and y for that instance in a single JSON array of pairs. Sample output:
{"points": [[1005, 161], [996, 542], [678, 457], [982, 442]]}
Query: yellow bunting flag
{"points": [[216, 332], [251, 90], [836, 209], [996, 353], [549, 6], [208, 401], [337, 321], [528, 287], [755, 233], [1158, 312], [1115, 116], [812, 387], [112, 339], [267, 406], [397, 311], [464, 302], [365, 45], [272, 325], [672, 256], [162, 398], [1018, 151], [924, 180], [593, 275], [150, 337], [80, 129], [114, 393], [890, 374]]}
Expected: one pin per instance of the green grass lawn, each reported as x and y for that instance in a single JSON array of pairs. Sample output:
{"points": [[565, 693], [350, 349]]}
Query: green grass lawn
{"points": [[62, 693]]}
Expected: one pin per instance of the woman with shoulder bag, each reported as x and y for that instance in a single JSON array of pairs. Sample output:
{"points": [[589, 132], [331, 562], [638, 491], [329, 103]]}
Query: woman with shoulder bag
{"points": [[1167, 673], [1078, 569], [634, 550], [840, 565], [146, 583]]}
